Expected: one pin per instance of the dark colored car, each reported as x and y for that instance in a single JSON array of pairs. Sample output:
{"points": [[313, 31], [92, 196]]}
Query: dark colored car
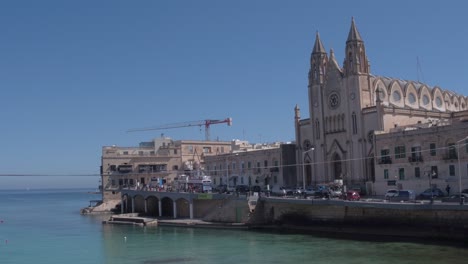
{"points": [[256, 188], [402, 196], [434, 193], [220, 188], [242, 188]]}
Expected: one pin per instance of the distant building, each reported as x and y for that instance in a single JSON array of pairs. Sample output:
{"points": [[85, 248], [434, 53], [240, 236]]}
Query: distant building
{"points": [[348, 104], [254, 165], [420, 156], [162, 159]]}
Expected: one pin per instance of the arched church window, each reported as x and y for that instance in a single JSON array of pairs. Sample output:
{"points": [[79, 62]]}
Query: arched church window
{"points": [[343, 122], [381, 93], [317, 129], [354, 119], [315, 71], [396, 96], [463, 105], [412, 98], [438, 102], [425, 99]]}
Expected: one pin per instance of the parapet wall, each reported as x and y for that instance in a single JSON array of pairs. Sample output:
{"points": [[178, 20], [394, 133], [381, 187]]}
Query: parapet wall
{"points": [[423, 220]]}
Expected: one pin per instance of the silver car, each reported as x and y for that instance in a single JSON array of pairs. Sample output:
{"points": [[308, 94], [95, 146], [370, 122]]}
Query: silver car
{"points": [[390, 193]]}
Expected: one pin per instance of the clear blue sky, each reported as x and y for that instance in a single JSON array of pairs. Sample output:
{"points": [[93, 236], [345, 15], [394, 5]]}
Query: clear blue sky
{"points": [[76, 75]]}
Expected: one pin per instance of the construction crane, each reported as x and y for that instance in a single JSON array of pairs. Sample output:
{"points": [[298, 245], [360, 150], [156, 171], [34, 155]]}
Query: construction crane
{"points": [[207, 123]]}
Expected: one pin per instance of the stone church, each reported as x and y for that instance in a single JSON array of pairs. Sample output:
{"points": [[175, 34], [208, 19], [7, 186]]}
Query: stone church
{"points": [[348, 104]]}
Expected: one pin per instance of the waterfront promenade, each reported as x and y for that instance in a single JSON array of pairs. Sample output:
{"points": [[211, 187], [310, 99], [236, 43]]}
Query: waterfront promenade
{"points": [[421, 219]]}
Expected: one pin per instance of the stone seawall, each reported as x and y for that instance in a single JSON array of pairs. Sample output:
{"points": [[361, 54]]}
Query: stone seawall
{"points": [[435, 221]]}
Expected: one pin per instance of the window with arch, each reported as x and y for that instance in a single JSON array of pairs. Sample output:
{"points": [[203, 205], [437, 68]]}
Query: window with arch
{"points": [[343, 122], [463, 105], [381, 93], [438, 102], [396, 96], [354, 120], [425, 99], [412, 98], [317, 129]]}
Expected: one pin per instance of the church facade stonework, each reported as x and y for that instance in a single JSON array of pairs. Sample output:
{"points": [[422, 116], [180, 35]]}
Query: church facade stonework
{"points": [[348, 105]]}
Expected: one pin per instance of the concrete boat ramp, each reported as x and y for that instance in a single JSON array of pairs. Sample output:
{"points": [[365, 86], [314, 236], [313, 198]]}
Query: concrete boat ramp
{"points": [[131, 219], [134, 219]]}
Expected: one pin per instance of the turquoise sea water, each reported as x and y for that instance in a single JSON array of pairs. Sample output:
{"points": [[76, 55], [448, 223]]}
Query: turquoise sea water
{"points": [[45, 227]]}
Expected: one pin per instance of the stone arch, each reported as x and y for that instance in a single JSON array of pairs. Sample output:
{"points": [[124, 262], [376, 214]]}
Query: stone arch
{"points": [[127, 204], [152, 206], [395, 90], [425, 98], [167, 207], [411, 96], [438, 99], [448, 101], [462, 100], [456, 103], [337, 167], [139, 202], [379, 86]]}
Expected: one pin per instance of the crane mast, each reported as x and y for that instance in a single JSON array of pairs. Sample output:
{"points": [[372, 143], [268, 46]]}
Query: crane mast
{"points": [[206, 123]]}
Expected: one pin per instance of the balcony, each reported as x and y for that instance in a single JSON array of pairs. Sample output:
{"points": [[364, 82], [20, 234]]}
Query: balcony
{"points": [[416, 158], [450, 156], [125, 168], [385, 160]]}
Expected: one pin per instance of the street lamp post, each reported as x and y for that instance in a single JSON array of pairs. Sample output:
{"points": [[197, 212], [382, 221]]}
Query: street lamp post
{"points": [[459, 170], [303, 168]]}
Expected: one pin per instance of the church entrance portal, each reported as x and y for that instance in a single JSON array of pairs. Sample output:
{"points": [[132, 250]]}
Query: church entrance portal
{"points": [[337, 167]]}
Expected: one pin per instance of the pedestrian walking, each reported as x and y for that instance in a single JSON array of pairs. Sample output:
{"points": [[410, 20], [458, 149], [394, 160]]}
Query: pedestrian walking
{"points": [[448, 190]]}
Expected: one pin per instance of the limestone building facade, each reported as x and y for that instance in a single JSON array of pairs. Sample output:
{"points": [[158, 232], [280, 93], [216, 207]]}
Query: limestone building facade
{"points": [[162, 158], [422, 156], [264, 165], [348, 104]]}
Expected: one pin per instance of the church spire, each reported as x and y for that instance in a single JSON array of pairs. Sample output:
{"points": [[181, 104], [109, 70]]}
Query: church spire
{"points": [[318, 62], [318, 46], [353, 32], [355, 62]]}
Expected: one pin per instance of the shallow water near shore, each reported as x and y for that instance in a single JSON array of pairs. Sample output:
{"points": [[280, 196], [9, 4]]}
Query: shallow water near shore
{"points": [[44, 226]]}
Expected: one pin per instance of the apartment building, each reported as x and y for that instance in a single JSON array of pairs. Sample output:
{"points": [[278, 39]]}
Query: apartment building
{"points": [[161, 160]]}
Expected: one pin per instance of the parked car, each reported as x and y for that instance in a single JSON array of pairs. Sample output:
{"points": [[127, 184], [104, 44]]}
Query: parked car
{"points": [[455, 198], [242, 189], [352, 195], [256, 188], [433, 192], [358, 189], [464, 191], [403, 196], [309, 191], [282, 191], [222, 188], [390, 193]]}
